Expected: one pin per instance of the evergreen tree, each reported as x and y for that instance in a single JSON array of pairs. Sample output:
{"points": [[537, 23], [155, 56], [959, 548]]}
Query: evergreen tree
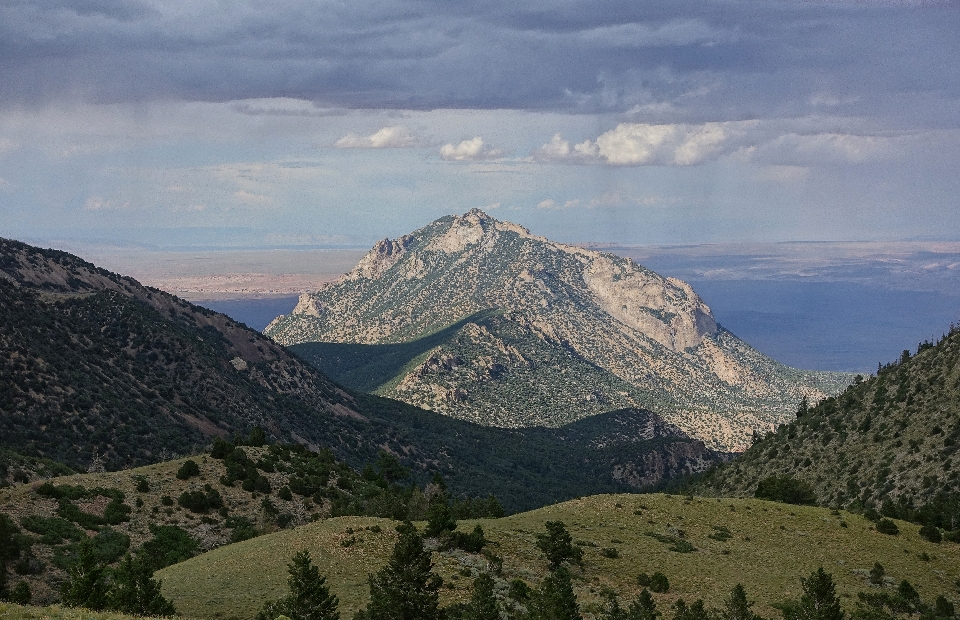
{"points": [[819, 600], [555, 600], [876, 574], [557, 545], [696, 611], [86, 585], [309, 597], [612, 610], [9, 550], [406, 588], [643, 607], [737, 607], [439, 519], [136, 592], [21, 594], [483, 604]]}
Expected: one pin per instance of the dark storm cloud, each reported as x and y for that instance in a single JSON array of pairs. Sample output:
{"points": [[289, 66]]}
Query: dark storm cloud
{"points": [[665, 60]]}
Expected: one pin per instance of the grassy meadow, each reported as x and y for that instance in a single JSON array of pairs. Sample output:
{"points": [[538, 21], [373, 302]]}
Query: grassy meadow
{"points": [[770, 547]]}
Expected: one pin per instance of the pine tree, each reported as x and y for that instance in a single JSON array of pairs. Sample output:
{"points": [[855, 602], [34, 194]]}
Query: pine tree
{"points": [[555, 600], [737, 607], [819, 600], [309, 597], [643, 607], [483, 604], [406, 588], [696, 611], [86, 585], [557, 545], [136, 592], [9, 550], [439, 519], [613, 610], [21, 594]]}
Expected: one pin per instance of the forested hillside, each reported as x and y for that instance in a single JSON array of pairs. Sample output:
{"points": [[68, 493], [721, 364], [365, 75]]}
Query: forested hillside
{"points": [[888, 443]]}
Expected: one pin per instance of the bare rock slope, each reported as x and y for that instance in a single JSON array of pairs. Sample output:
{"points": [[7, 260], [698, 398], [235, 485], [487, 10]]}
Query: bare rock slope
{"points": [[545, 333]]}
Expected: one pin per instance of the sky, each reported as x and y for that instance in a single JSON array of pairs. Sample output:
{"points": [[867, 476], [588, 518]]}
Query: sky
{"points": [[306, 123]]}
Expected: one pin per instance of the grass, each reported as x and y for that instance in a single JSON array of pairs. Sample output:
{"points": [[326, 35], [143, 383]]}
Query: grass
{"points": [[9, 611], [770, 548]]}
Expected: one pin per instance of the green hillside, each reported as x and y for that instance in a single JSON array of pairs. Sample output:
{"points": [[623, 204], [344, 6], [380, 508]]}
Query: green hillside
{"points": [[765, 546], [887, 443]]}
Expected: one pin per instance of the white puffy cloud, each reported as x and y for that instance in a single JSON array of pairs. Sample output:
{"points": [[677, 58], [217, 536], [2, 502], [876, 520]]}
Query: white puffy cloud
{"points": [[468, 150], [550, 204], [386, 138], [784, 143], [641, 144]]}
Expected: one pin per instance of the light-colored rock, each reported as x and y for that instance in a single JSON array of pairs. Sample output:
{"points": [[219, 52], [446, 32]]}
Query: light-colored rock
{"points": [[574, 332]]}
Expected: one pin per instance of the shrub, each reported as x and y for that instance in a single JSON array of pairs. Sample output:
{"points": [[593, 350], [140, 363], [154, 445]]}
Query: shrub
{"points": [[659, 582], [221, 448], [931, 533], [886, 526], [610, 552], [201, 501], [166, 500], [643, 580], [471, 543], [786, 489], [117, 512], [721, 533], [68, 510], [188, 470], [169, 545], [142, 485], [52, 530]]}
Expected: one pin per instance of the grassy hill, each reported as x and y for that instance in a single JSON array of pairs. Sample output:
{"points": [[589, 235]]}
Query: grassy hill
{"points": [[769, 548], [887, 443], [9, 611]]}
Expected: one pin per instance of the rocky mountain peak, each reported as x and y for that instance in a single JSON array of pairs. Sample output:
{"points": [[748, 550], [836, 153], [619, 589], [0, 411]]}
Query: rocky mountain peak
{"points": [[515, 304]]}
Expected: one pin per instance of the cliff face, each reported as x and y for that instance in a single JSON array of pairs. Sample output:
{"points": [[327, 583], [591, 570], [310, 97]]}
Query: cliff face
{"points": [[547, 334]]}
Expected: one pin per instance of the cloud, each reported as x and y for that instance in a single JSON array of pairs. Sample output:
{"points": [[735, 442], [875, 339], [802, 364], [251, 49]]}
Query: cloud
{"points": [[673, 61], [468, 150], [552, 205], [641, 144], [608, 199], [98, 203], [794, 142], [386, 138], [249, 198]]}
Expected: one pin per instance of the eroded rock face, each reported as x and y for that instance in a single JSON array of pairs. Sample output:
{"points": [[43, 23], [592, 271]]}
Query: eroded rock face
{"points": [[596, 332]]}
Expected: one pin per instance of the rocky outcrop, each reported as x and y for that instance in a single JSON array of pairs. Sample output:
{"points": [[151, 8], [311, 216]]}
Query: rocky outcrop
{"points": [[569, 333]]}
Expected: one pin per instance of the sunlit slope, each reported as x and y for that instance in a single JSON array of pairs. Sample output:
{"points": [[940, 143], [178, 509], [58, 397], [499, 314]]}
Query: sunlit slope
{"points": [[771, 548]]}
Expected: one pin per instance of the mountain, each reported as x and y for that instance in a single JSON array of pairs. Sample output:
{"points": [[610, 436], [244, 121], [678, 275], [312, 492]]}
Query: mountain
{"points": [[481, 320], [888, 442], [99, 371]]}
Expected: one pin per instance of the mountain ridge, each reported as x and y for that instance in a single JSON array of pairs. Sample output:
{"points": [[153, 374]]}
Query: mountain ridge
{"points": [[623, 335]]}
